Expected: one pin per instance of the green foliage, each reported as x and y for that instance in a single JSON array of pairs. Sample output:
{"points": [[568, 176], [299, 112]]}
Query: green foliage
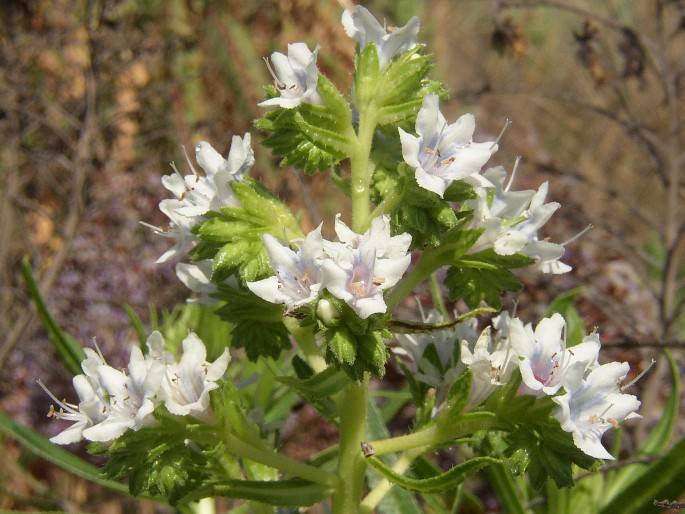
{"points": [[563, 304], [257, 324], [68, 348], [281, 493], [231, 237], [536, 444], [157, 460], [446, 480], [484, 276], [415, 210], [311, 137]]}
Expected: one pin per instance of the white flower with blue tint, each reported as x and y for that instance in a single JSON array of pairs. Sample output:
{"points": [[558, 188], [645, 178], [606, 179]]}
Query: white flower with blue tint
{"points": [[543, 359], [362, 266], [197, 194], [187, 384], [443, 153], [511, 220], [364, 28], [593, 405], [295, 76], [296, 281]]}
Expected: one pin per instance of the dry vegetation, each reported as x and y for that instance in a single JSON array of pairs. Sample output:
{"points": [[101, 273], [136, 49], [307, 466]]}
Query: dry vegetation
{"points": [[98, 97]]}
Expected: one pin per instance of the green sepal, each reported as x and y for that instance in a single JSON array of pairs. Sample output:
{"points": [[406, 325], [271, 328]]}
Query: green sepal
{"points": [[282, 493], [484, 276], [311, 137], [257, 324], [355, 345], [366, 75], [447, 480]]}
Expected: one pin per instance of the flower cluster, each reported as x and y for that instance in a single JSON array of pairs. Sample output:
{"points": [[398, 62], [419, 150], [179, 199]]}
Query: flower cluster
{"points": [[592, 401], [511, 220], [356, 269], [112, 401], [197, 194]]}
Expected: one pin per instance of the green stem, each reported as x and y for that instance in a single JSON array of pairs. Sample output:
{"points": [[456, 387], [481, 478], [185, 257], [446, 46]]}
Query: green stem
{"points": [[307, 343], [285, 464], [351, 464], [383, 487], [436, 434], [362, 168]]}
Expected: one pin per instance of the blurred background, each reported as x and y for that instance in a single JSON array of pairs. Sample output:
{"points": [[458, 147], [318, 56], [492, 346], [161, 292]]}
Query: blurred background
{"points": [[98, 97]]}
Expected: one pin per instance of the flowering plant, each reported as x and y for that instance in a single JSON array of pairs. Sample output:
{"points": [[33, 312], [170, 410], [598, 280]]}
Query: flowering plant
{"points": [[313, 317]]}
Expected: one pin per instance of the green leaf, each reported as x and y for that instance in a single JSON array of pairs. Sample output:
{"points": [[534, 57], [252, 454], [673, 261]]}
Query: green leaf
{"points": [[563, 304], [68, 348], [257, 324], [484, 276], [416, 211], [664, 478], [311, 137], [457, 397], [322, 385], [403, 78], [366, 76], [137, 325], [43, 448], [449, 479], [282, 493]]}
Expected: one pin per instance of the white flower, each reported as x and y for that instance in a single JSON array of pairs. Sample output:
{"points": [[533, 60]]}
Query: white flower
{"points": [[490, 362], [362, 266], [364, 28], [197, 194], [444, 153], [90, 410], [543, 359], [131, 397], [297, 272], [186, 385], [593, 405], [295, 76], [511, 221], [196, 277]]}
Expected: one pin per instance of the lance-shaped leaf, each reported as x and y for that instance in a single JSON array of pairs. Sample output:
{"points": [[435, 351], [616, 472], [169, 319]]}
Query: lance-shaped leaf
{"points": [[281, 493], [449, 479], [67, 347], [40, 446]]}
